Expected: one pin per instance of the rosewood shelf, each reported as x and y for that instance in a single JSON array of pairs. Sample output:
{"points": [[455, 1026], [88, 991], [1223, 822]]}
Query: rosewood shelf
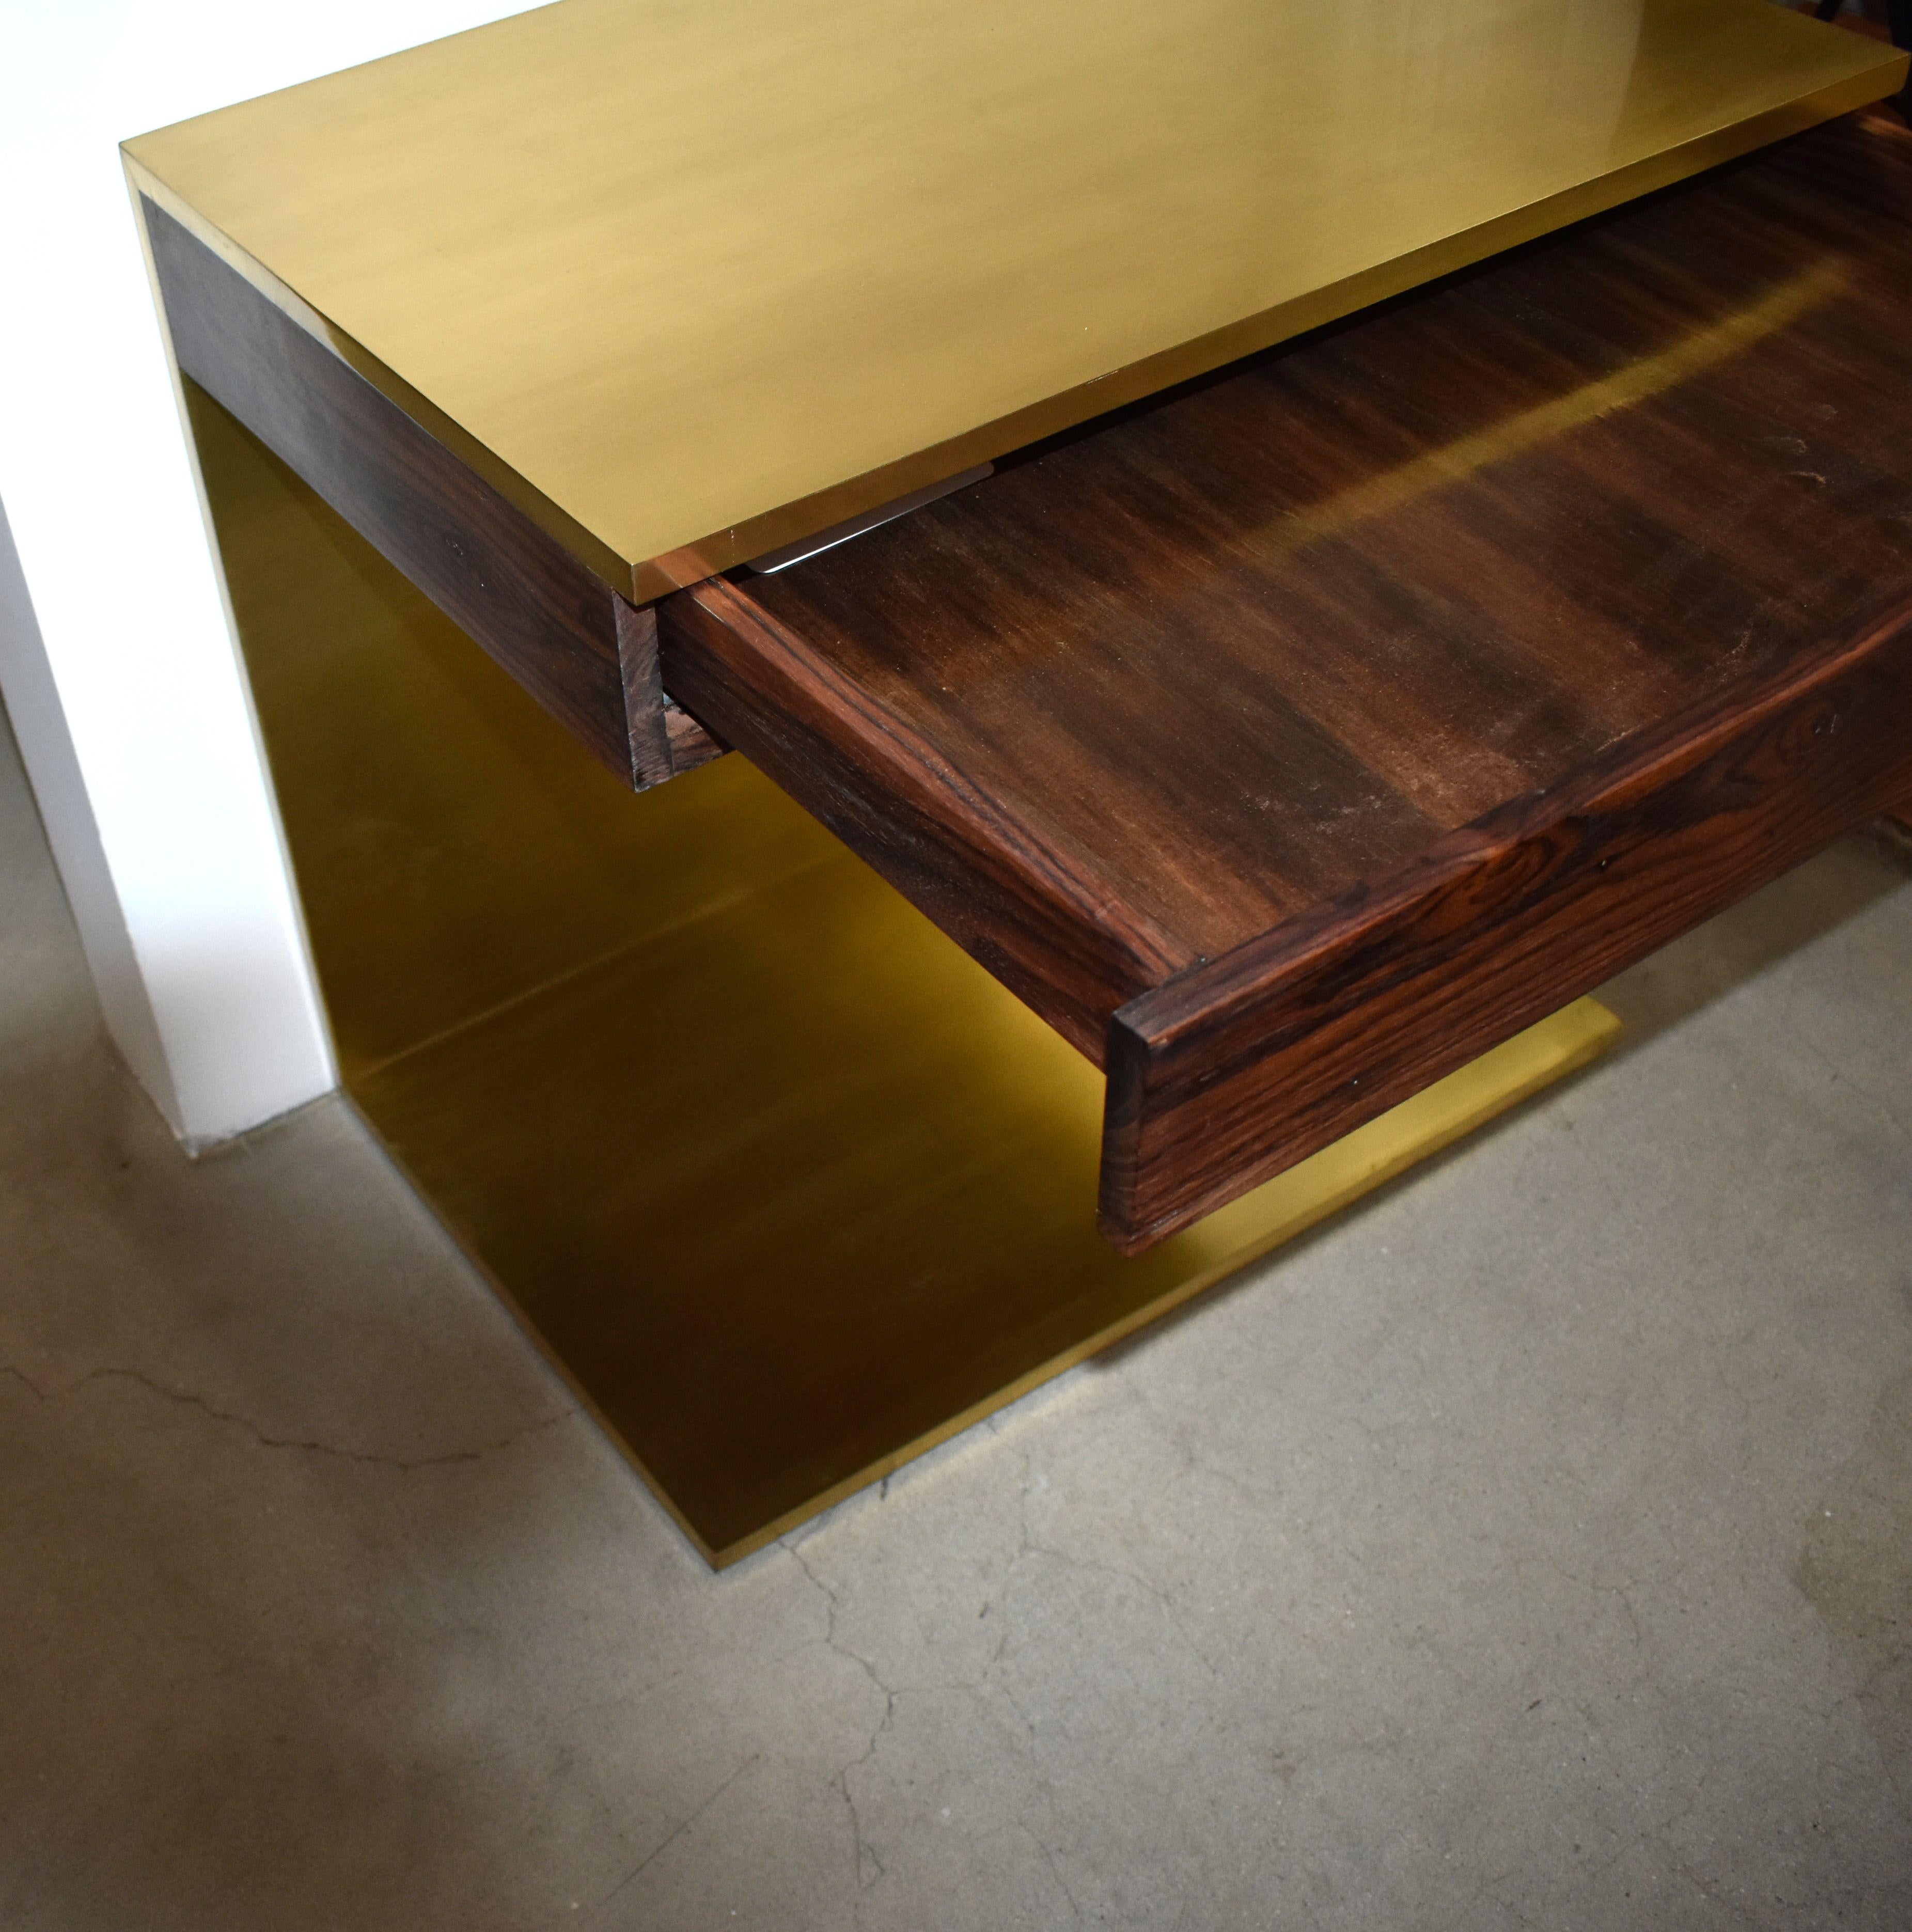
{"points": [[1290, 740], [1227, 803]]}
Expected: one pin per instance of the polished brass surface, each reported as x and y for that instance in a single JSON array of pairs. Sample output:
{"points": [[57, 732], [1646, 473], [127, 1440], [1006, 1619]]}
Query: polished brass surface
{"points": [[787, 1186], [840, 1204], [691, 279]]}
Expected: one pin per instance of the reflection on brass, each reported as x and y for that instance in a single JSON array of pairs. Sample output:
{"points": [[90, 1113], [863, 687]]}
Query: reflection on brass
{"points": [[692, 279], [818, 542], [1648, 375], [789, 1186]]}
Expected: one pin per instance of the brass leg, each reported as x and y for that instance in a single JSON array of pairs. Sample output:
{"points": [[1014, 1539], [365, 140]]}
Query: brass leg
{"points": [[789, 1187]]}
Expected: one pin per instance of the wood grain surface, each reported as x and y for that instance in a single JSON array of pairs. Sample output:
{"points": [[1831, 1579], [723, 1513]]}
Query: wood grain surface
{"points": [[1040, 920], [665, 740], [1240, 1068], [1197, 677], [566, 635]]}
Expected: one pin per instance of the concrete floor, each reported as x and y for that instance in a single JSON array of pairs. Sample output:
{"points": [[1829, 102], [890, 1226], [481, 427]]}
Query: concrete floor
{"points": [[1532, 1547]]}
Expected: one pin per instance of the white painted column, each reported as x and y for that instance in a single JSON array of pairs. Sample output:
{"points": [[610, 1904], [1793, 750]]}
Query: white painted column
{"points": [[117, 659]]}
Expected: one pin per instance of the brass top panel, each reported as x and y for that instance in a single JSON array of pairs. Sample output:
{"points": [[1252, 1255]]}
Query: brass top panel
{"points": [[691, 278]]}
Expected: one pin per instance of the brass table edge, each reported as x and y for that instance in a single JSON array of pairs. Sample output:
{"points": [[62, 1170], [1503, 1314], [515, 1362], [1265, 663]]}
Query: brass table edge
{"points": [[683, 559], [589, 550]]}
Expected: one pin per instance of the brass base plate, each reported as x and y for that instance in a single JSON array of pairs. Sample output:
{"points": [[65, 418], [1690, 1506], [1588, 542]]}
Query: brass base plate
{"points": [[790, 1187], [842, 1206]]}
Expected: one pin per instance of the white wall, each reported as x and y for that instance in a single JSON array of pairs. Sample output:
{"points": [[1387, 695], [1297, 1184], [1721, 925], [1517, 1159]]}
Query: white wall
{"points": [[126, 696]]}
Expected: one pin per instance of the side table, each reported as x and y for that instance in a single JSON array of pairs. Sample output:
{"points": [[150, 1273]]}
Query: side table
{"points": [[1127, 858]]}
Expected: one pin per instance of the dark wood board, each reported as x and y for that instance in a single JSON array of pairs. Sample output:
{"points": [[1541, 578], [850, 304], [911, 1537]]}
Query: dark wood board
{"points": [[1039, 920], [587, 656], [1246, 654], [1240, 1068]]}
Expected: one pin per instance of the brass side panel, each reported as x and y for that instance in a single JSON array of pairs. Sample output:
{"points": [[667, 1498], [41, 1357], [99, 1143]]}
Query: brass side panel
{"points": [[789, 1186], [696, 277]]}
